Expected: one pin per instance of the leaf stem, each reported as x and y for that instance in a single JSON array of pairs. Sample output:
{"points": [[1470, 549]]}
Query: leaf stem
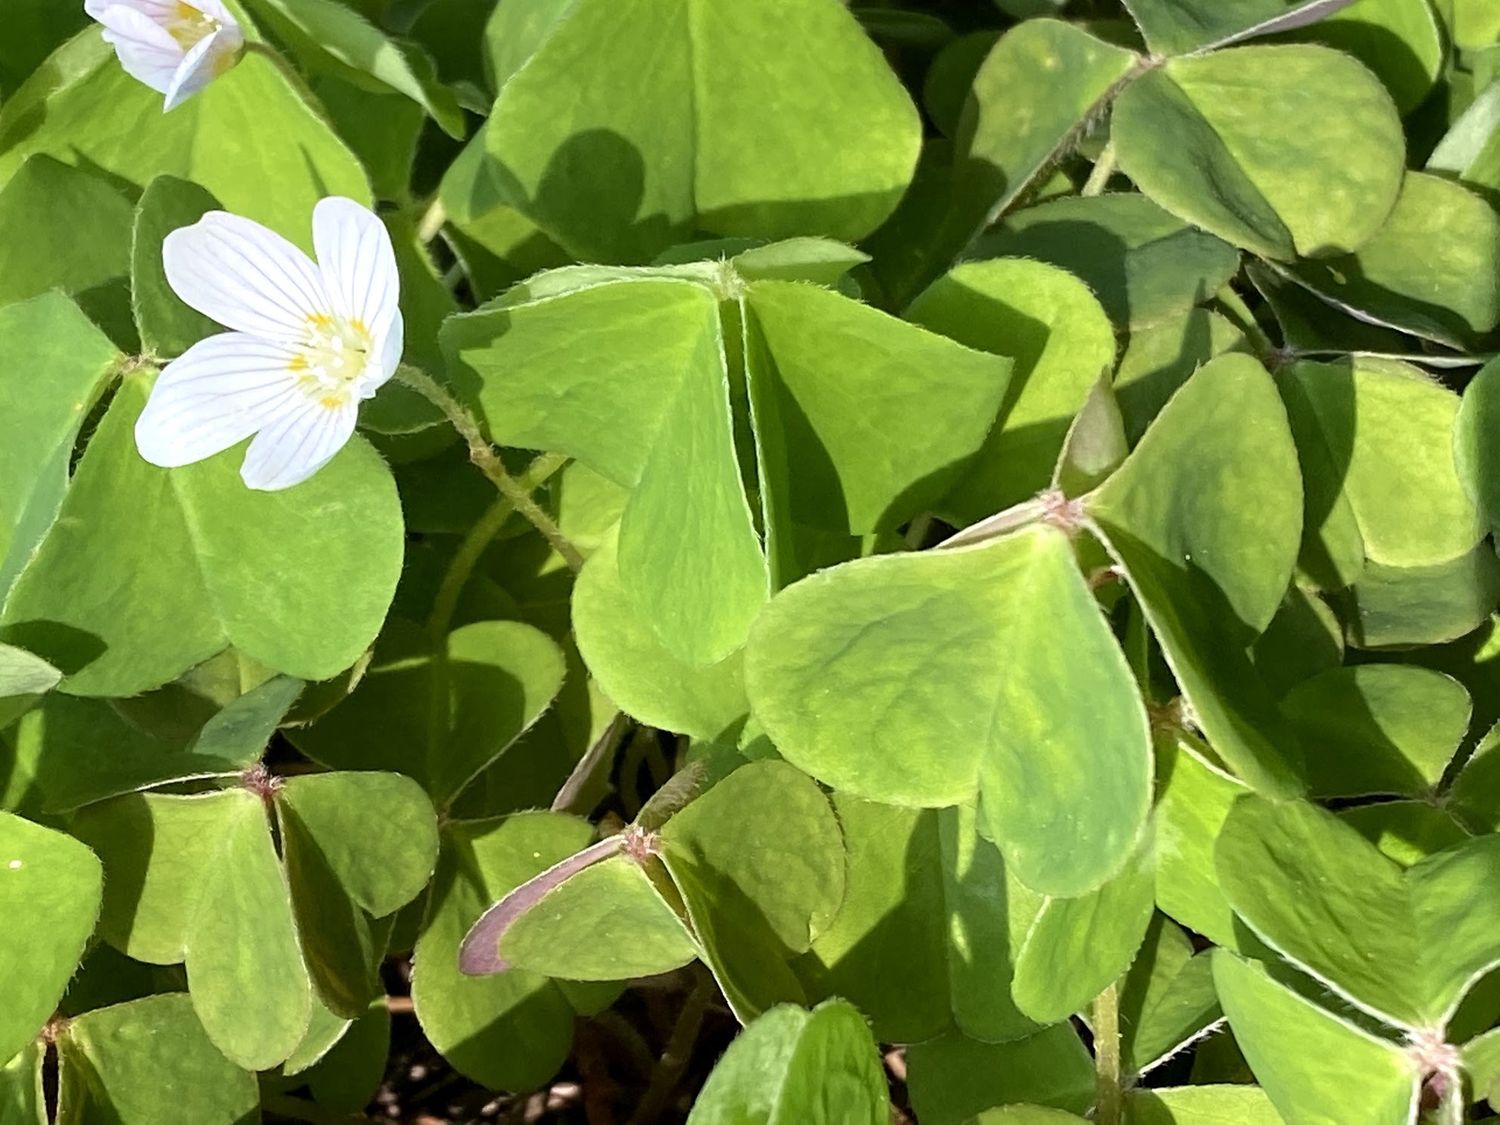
{"points": [[477, 539], [1107, 1089], [483, 454], [432, 220], [1104, 168], [679, 1050]]}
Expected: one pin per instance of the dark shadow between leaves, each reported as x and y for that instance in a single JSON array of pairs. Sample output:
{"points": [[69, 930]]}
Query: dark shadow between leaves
{"points": [[1325, 448], [597, 173], [64, 646], [1143, 398]]}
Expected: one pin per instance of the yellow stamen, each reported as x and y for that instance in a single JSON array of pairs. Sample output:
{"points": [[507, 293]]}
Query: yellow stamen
{"points": [[188, 25]]}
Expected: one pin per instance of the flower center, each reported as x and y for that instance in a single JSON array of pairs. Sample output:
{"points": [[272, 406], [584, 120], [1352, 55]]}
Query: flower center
{"points": [[188, 25], [332, 358]]}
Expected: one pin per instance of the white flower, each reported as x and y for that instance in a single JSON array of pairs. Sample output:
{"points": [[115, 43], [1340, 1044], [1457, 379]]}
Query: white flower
{"points": [[176, 47], [309, 341]]}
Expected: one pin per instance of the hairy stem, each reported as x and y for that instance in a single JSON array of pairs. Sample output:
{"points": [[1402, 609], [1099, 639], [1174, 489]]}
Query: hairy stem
{"points": [[484, 456], [1104, 168], [1107, 1088], [432, 221], [477, 539]]}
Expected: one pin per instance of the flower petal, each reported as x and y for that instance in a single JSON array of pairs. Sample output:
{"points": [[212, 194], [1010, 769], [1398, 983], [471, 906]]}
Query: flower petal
{"points": [[145, 50], [357, 262], [214, 9], [218, 393], [380, 369], [244, 276], [297, 444], [200, 66], [160, 12]]}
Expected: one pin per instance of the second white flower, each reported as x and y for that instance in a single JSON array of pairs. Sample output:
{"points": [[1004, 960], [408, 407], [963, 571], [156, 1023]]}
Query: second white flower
{"points": [[308, 342]]}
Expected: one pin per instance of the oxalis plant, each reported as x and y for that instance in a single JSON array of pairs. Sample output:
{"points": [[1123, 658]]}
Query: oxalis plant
{"points": [[749, 562]]}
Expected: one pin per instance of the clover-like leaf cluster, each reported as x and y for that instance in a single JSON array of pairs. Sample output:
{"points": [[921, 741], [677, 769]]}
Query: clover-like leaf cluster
{"points": [[921, 561]]}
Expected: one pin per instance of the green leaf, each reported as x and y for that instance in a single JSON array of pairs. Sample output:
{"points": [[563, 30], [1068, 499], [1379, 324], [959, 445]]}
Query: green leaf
{"points": [[69, 752], [358, 846], [1061, 343], [514, 32], [1476, 459], [1026, 1115], [1395, 607], [348, 1077], [1160, 358], [1078, 947], [1313, 1065], [952, 1078], [795, 1067], [657, 420], [1167, 999], [1205, 517], [1058, 737], [81, 107], [147, 1062], [1191, 134], [759, 861], [329, 31], [49, 889], [68, 229], [1475, 23], [768, 831], [339, 946], [607, 922], [1095, 445], [244, 969], [638, 672], [66, 361], [1203, 1105], [22, 1099], [1175, 27], [1405, 832], [1355, 422], [441, 718], [1406, 276], [1378, 728], [198, 540], [1475, 794], [382, 130], [241, 731], [1402, 43], [167, 326], [1481, 1059], [196, 879], [511, 1030], [863, 421], [728, 131], [24, 679], [1196, 796], [1304, 639], [376, 831], [1063, 74], [1143, 263], [924, 889], [1405, 945]]}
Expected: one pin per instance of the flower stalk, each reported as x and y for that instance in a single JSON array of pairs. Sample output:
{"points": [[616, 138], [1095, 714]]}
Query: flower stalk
{"points": [[484, 456]]}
